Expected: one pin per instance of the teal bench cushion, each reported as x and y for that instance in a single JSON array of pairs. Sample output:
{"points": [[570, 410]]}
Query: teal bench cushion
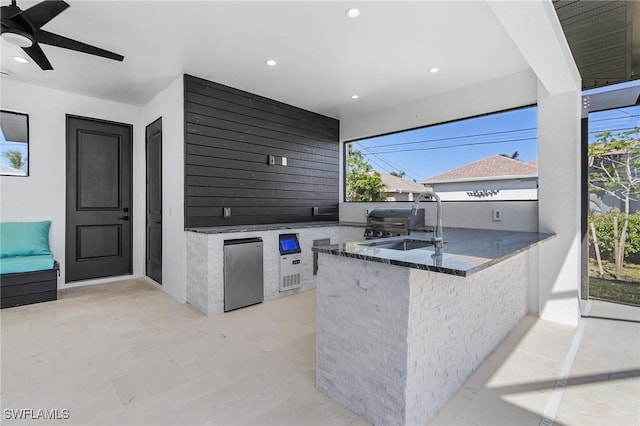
{"points": [[24, 238], [16, 264]]}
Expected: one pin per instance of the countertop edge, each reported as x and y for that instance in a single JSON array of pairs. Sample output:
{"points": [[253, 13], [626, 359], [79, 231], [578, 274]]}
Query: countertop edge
{"points": [[227, 229], [339, 250]]}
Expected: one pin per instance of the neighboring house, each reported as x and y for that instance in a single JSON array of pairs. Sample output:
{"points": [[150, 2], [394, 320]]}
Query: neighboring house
{"points": [[492, 178], [398, 189]]}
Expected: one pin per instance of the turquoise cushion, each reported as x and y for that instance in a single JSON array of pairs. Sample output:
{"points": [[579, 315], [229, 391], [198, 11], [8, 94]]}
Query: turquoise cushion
{"points": [[24, 238], [12, 265]]}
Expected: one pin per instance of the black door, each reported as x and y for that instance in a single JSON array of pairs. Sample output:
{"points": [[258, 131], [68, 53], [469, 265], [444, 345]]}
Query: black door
{"points": [[98, 199], [154, 200]]}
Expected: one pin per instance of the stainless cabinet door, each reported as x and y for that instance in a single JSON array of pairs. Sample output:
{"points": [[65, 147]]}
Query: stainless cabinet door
{"points": [[243, 275]]}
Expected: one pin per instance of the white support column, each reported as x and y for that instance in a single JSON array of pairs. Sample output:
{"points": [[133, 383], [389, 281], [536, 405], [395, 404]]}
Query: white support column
{"points": [[548, 54], [559, 205]]}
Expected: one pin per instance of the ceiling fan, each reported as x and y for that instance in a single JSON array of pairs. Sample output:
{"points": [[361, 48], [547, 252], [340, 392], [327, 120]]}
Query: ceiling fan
{"points": [[24, 29]]}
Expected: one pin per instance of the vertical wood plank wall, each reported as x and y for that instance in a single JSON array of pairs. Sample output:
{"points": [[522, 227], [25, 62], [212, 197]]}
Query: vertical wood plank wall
{"points": [[229, 136]]}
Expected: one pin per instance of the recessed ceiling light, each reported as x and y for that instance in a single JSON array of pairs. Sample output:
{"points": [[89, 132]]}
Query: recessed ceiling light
{"points": [[271, 62], [352, 12], [20, 59], [434, 70], [354, 96]]}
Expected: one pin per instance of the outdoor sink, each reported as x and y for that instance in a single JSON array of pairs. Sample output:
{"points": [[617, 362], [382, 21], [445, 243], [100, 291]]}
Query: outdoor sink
{"points": [[403, 244]]}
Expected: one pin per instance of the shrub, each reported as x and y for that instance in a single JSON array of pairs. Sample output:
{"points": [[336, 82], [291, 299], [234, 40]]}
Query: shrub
{"points": [[604, 231]]}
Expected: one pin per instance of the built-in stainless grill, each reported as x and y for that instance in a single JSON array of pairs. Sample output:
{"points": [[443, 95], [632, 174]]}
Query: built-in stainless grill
{"points": [[392, 222]]}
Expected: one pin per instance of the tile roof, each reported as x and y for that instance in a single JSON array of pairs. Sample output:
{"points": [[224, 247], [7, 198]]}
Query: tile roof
{"points": [[397, 184], [490, 167]]}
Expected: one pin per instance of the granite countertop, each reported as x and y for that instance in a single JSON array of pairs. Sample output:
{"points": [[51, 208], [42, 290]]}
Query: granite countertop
{"points": [[269, 227], [465, 251]]}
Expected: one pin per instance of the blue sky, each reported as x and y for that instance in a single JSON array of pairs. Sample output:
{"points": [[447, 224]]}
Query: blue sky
{"points": [[429, 151], [6, 146]]}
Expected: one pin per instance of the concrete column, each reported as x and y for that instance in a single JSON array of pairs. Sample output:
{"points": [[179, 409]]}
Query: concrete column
{"points": [[559, 204]]}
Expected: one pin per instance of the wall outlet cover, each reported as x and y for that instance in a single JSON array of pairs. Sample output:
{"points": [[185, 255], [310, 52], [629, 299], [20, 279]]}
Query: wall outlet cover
{"points": [[497, 215], [226, 212]]}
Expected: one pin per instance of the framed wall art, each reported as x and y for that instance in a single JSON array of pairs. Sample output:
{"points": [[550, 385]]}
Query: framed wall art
{"points": [[14, 143]]}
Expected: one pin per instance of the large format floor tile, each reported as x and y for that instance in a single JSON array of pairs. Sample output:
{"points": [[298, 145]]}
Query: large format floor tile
{"points": [[127, 354], [514, 385]]}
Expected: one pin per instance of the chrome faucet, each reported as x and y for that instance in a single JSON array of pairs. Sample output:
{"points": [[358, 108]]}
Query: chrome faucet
{"points": [[438, 237]]}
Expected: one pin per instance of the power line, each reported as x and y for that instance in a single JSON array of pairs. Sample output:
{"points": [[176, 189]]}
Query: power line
{"points": [[627, 113], [381, 166], [373, 153], [614, 118], [456, 146], [445, 139], [396, 166], [371, 148]]}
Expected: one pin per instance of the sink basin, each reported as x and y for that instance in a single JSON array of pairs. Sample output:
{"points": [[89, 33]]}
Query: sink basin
{"points": [[403, 245]]}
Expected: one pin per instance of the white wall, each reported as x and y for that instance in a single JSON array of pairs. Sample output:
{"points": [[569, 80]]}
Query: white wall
{"points": [[41, 195], [517, 215], [509, 190], [168, 104]]}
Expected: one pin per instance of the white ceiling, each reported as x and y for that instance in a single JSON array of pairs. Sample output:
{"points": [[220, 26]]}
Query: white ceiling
{"points": [[323, 56]]}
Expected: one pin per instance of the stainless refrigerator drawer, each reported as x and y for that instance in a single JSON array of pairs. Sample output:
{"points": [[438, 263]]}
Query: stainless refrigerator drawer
{"points": [[243, 273]]}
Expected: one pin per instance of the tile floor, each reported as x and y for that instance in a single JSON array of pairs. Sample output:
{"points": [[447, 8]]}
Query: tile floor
{"points": [[514, 386], [126, 354]]}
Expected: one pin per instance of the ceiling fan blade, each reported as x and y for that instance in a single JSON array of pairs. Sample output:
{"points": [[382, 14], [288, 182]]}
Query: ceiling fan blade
{"points": [[38, 56], [51, 39], [10, 12], [43, 12]]}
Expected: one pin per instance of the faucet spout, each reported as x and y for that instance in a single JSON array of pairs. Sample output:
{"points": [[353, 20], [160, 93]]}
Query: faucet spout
{"points": [[438, 237]]}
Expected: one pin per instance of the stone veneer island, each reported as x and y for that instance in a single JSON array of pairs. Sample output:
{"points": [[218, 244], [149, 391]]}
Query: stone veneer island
{"points": [[400, 331]]}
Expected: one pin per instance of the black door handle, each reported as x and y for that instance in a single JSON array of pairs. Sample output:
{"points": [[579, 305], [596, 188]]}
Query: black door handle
{"points": [[124, 218], [159, 222]]}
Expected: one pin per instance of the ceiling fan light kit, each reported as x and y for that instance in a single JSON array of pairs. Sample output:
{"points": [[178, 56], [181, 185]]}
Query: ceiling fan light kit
{"points": [[23, 28], [17, 39]]}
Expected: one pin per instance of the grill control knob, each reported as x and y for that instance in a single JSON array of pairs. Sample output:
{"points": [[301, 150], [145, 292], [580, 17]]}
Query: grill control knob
{"points": [[379, 233]]}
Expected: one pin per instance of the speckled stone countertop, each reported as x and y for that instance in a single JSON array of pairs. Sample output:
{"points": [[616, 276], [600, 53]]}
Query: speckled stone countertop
{"points": [[465, 251], [269, 227]]}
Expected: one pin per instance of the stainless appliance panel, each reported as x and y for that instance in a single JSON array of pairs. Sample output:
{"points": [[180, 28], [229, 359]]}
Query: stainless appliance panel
{"points": [[392, 222], [243, 273]]}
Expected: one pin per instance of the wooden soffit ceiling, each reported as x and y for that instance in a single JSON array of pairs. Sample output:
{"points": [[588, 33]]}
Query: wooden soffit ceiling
{"points": [[604, 37]]}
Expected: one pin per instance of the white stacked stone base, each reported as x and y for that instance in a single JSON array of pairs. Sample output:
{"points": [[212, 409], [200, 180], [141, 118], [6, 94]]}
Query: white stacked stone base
{"points": [[205, 262], [394, 344]]}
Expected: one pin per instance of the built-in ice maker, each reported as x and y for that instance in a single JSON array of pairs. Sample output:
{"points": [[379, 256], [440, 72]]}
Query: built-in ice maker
{"points": [[290, 262]]}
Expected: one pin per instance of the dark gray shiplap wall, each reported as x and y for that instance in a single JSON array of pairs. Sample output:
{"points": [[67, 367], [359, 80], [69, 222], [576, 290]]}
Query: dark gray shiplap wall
{"points": [[229, 136]]}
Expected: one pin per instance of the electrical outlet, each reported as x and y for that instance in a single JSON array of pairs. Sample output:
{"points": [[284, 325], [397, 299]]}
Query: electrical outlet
{"points": [[284, 161], [271, 160], [497, 215], [226, 212]]}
